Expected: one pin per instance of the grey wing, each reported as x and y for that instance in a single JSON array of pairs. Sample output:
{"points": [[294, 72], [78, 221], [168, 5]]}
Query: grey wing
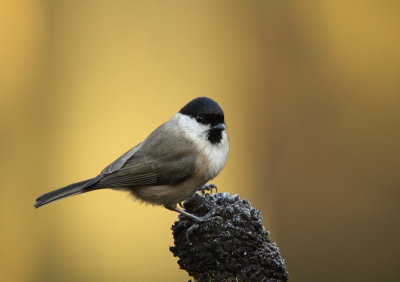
{"points": [[95, 183], [118, 163], [139, 170]]}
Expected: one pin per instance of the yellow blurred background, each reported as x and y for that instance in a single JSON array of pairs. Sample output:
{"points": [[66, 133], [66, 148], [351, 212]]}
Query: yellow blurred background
{"points": [[311, 94]]}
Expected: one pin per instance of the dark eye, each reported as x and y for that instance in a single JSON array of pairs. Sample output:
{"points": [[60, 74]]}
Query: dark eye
{"points": [[199, 119]]}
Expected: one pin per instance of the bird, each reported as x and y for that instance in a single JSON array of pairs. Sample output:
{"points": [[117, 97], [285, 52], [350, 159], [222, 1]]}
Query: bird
{"points": [[174, 162]]}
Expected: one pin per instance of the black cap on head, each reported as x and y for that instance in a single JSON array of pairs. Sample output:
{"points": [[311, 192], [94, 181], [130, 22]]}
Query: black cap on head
{"points": [[206, 111], [202, 106]]}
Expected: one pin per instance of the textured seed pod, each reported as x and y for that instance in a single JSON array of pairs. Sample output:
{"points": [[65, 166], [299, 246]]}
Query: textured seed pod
{"points": [[231, 246]]}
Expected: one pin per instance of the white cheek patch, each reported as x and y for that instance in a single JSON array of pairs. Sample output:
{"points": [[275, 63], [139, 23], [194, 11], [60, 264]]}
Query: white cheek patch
{"points": [[193, 130], [198, 133]]}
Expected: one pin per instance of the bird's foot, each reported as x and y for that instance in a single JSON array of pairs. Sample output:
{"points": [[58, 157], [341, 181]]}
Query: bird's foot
{"points": [[197, 219], [208, 187], [203, 218]]}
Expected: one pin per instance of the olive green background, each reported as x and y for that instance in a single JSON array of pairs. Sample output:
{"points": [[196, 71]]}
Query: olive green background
{"points": [[311, 94]]}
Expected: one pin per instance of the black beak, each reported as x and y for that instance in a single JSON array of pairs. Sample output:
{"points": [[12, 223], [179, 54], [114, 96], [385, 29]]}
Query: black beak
{"points": [[219, 127]]}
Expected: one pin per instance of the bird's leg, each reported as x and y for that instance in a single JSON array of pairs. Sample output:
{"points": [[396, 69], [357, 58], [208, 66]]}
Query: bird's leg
{"points": [[208, 187], [191, 216], [197, 219]]}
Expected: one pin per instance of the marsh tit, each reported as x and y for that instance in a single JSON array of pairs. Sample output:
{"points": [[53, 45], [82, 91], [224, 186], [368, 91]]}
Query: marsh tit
{"points": [[171, 164]]}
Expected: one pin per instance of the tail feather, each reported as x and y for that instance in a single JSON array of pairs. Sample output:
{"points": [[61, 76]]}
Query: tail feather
{"points": [[67, 191]]}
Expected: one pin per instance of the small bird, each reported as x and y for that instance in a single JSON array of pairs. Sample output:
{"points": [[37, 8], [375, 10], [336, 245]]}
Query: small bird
{"points": [[175, 161]]}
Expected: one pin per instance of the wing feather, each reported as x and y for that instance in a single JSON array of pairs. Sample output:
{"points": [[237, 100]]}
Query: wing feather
{"points": [[142, 171], [143, 165]]}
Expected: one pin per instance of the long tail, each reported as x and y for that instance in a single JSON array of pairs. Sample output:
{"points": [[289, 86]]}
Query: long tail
{"points": [[67, 191]]}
